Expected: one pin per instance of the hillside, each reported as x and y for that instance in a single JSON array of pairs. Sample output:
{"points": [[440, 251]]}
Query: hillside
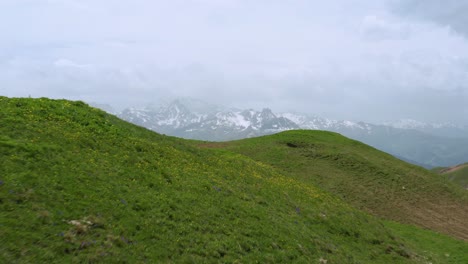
{"points": [[79, 185], [363, 176], [457, 174]]}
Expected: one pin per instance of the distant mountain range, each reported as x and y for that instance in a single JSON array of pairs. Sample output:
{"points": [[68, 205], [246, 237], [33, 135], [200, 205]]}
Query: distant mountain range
{"points": [[427, 145], [437, 129], [215, 123]]}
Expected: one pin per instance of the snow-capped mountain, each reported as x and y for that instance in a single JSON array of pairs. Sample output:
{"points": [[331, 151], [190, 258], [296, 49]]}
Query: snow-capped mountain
{"points": [[407, 124], [175, 116], [415, 124], [318, 123], [218, 124], [437, 129], [429, 145], [221, 123]]}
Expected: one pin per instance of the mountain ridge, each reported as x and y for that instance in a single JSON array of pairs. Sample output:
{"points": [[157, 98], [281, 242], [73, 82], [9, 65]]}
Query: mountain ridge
{"points": [[428, 145]]}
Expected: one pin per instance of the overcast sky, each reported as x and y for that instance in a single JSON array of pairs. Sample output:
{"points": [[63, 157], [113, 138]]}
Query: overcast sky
{"points": [[370, 60]]}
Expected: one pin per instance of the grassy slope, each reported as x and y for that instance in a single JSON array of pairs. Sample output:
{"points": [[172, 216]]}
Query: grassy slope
{"points": [[363, 176], [77, 184], [457, 174]]}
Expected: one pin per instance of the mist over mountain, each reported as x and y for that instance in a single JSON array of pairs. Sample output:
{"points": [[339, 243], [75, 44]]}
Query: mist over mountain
{"points": [[438, 129], [424, 144], [366, 60]]}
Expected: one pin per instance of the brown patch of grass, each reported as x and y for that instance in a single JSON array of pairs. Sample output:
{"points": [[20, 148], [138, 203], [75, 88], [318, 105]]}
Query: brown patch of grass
{"points": [[453, 169]]}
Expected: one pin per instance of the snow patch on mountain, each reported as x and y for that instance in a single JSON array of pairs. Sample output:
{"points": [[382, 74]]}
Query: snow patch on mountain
{"points": [[317, 123]]}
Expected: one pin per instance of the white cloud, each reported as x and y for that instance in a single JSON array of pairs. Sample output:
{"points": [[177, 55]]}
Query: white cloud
{"points": [[451, 13], [70, 64], [375, 28], [352, 58]]}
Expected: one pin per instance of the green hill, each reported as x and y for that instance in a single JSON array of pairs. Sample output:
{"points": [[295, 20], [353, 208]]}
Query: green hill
{"points": [[457, 174], [363, 176], [79, 185]]}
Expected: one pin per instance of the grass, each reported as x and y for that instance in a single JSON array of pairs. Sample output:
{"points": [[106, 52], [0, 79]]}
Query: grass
{"points": [[438, 248], [362, 176], [79, 185]]}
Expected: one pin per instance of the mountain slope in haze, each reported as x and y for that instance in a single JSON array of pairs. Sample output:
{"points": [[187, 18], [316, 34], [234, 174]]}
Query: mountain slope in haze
{"points": [[363, 176], [430, 145], [449, 130], [79, 185], [413, 145], [457, 174]]}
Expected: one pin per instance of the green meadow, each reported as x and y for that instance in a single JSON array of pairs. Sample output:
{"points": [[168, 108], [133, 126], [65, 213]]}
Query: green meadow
{"points": [[78, 185]]}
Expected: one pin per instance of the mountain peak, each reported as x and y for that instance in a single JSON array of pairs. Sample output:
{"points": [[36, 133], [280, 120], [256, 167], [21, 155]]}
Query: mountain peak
{"points": [[176, 108], [267, 114], [176, 103]]}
